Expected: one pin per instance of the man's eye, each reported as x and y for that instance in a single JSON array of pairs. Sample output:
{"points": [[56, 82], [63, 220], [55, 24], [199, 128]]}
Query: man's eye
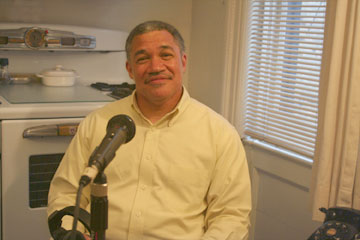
{"points": [[141, 59], [166, 56]]}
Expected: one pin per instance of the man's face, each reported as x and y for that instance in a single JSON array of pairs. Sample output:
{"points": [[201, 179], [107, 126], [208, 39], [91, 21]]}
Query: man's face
{"points": [[156, 65]]}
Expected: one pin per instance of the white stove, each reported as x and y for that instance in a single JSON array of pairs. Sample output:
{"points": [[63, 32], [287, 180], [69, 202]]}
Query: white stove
{"points": [[28, 161], [37, 101]]}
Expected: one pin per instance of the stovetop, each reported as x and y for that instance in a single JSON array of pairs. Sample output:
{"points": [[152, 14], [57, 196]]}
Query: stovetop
{"points": [[24, 101], [38, 93], [116, 91]]}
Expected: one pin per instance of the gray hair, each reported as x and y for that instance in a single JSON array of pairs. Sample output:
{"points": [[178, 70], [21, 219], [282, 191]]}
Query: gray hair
{"points": [[151, 26]]}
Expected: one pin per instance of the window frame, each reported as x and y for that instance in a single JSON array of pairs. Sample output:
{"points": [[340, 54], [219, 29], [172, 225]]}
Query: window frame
{"points": [[234, 89]]}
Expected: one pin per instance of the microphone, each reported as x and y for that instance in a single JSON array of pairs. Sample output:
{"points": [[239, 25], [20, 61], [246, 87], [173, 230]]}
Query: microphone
{"points": [[120, 130]]}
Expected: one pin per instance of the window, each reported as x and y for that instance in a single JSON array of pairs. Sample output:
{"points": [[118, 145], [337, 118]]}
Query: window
{"points": [[284, 50]]}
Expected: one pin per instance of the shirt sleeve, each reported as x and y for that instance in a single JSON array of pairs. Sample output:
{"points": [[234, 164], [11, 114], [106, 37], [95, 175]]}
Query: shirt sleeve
{"points": [[229, 195], [64, 185]]}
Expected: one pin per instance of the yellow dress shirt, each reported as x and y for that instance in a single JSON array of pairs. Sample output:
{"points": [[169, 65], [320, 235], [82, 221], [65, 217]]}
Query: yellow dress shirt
{"points": [[185, 177]]}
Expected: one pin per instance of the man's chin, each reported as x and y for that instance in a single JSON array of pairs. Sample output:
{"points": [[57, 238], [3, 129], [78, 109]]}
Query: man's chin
{"points": [[158, 82]]}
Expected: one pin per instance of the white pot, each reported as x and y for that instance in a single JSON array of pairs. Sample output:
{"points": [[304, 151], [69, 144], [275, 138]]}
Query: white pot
{"points": [[58, 77]]}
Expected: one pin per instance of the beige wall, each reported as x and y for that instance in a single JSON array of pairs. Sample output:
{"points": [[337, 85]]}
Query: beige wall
{"points": [[113, 14], [206, 60]]}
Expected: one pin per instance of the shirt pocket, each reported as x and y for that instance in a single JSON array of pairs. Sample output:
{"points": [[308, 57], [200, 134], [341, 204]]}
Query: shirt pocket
{"points": [[188, 182]]}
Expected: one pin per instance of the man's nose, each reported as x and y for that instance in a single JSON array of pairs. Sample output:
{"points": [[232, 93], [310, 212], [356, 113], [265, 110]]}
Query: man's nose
{"points": [[156, 64]]}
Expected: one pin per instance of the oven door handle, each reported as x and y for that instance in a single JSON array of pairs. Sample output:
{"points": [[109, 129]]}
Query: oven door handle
{"points": [[52, 130]]}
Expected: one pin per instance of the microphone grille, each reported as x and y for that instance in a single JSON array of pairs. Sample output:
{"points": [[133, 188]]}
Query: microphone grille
{"points": [[122, 120]]}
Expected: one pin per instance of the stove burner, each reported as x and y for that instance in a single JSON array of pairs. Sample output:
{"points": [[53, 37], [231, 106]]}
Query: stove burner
{"points": [[117, 91]]}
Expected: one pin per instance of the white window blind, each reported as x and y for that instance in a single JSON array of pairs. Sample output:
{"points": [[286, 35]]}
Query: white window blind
{"points": [[284, 59]]}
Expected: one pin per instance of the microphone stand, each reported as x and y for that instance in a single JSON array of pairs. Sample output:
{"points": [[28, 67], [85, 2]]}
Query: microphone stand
{"points": [[99, 207]]}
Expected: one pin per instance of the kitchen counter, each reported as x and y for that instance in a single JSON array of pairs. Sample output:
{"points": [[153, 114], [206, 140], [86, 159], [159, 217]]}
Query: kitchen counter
{"points": [[38, 93], [38, 101]]}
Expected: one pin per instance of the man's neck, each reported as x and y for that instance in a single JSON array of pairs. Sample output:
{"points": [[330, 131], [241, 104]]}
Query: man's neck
{"points": [[154, 111]]}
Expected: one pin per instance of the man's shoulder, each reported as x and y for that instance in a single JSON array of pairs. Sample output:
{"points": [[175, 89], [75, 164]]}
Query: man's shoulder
{"points": [[116, 106], [201, 108], [202, 111], [121, 106]]}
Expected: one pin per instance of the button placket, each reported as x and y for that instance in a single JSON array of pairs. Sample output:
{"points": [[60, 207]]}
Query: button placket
{"points": [[144, 183]]}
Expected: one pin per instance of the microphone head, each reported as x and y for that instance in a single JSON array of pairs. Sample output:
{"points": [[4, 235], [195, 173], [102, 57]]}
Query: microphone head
{"points": [[119, 121]]}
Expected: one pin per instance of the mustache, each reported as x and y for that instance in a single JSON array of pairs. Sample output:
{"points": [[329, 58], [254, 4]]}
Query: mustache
{"points": [[157, 75]]}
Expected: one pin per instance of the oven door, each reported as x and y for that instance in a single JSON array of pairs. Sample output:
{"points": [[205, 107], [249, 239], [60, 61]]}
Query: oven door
{"points": [[29, 159]]}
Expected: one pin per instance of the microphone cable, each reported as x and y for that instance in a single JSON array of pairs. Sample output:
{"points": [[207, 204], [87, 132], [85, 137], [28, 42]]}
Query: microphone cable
{"points": [[76, 210]]}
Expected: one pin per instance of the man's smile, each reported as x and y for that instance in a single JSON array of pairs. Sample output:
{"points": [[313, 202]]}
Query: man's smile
{"points": [[158, 78]]}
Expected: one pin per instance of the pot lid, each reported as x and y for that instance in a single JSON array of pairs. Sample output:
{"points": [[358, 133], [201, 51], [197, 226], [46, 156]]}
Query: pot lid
{"points": [[59, 71]]}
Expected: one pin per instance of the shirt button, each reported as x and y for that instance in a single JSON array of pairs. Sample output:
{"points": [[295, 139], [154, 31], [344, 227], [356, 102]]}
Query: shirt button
{"points": [[143, 187], [148, 157], [138, 214]]}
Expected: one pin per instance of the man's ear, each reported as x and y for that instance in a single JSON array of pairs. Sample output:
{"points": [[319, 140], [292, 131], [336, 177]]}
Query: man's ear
{"points": [[129, 70], [184, 61]]}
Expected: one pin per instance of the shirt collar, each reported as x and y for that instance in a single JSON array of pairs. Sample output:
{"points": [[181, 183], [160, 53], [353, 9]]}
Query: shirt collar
{"points": [[169, 118]]}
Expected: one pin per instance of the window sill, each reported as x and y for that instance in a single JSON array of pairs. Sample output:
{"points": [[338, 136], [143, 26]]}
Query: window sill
{"points": [[266, 158], [300, 159]]}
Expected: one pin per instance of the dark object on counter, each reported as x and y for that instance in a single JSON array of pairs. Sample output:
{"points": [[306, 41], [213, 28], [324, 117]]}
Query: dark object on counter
{"points": [[109, 87], [12, 78], [4, 61], [340, 224], [102, 86], [117, 91], [4, 72]]}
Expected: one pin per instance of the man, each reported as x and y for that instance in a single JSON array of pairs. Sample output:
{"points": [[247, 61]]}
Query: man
{"points": [[184, 175]]}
